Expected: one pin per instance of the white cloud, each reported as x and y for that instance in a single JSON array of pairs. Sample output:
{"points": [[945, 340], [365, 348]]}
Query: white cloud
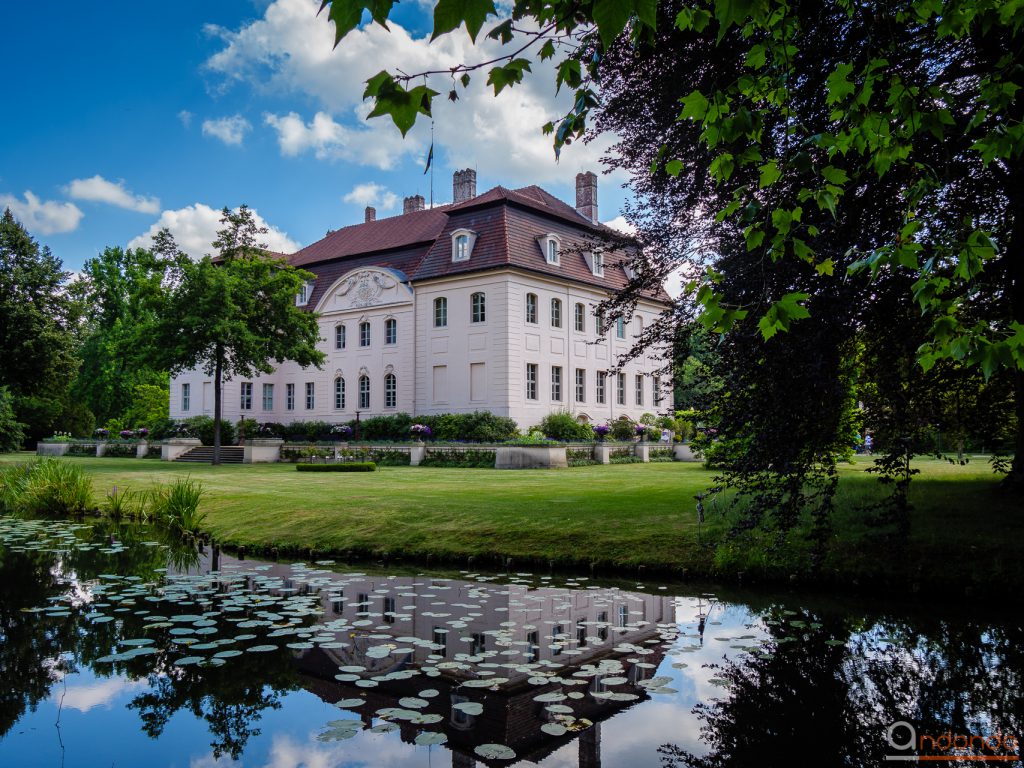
{"points": [[372, 194], [99, 190], [291, 50], [619, 223], [42, 217], [230, 130], [99, 693], [195, 226], [185, 117], [330, 140]]}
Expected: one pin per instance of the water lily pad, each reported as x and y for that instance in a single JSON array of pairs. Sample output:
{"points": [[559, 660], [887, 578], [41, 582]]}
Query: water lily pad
{"points": [[349, 703], [411, 702], [428, 738], [469, 707], [553, 729], [261, 648], [495, 752]]}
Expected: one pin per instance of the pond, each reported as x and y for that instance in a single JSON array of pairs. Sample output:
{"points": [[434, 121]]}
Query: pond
{"points": [[122, 648]]}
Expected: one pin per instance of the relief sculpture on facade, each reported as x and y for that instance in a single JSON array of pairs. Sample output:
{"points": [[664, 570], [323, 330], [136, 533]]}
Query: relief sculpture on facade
{"points": [[366, 287]]}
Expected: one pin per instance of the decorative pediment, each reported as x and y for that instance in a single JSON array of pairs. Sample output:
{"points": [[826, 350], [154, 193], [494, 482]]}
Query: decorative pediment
{"points": [[367, 287]]}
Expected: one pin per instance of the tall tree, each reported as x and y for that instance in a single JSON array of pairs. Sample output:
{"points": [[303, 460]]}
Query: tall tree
{"points": [[117, 285], [233, 316], [36, 339], [918, 96]]}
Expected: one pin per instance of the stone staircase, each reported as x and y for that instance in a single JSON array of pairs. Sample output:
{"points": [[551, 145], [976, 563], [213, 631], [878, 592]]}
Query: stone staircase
{"points": [[203, 454]]}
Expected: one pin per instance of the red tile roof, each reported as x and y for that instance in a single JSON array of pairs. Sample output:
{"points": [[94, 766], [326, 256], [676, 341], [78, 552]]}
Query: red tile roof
{"points": [[507, 223]]}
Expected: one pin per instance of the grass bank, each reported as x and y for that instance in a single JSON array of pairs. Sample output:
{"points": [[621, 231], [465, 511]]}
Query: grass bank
{"points": [[966, 536]]}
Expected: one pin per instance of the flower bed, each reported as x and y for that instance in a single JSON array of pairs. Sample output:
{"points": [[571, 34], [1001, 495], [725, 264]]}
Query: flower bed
{"points": [[623, 456], [81, 449], [382, 457], [294, 453], [153, 451]]}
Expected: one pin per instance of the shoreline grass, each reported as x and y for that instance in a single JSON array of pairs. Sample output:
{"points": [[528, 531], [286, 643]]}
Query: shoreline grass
{"points": [[967, 537]]}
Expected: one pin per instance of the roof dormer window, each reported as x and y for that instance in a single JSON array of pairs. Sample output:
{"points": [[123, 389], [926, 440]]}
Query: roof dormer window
{"points": [[550, 245], [462, 244], [305, 291], [595, 260]]}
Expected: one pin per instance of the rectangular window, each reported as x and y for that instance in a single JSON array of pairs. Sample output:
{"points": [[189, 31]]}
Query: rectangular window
{"points": [[441, 312], [598, 322], [390, 391], [556, 383], [186, 396], [268, 397], [246, 404], [556, 313], [580, 317], [558, 641], [581, 385], [477, 381], [389, 610], [532, 646], [289, 397], [364, 334], [657, 390], [620, 327], [639, 389], [310, 396], [620, 388], [339, 337], [339, 394], [602, 377], [531, 381], [391, 331], [441, 639]]}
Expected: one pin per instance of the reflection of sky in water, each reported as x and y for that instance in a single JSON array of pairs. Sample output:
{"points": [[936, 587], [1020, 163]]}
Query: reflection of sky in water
{"points": [[682, 636]]}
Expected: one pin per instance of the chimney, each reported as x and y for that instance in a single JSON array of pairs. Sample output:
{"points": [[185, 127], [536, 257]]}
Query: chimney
{"points": [[463, 185], [371, 214], [586, 195], [414, 203]]}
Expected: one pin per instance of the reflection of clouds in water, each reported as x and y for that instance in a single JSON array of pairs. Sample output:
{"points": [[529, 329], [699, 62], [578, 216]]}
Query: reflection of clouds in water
{"points": [[209, 761], [384, 750], [99, 693]]}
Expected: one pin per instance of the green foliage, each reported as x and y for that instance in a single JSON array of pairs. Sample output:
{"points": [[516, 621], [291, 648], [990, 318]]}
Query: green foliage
{"points": [[563, 425], [235, 317], [150, 405], [476, 427], [471, 458], [246, 428], [120, 450], [77, 419], [37, 318], [81, 449], [122, 503], [393, 428], [307, 431], [46, 486], [203, 428], [176, 506], [12, 432], [382, 457], [580, 457], [623, 429], [347, 466], [292, 453]]}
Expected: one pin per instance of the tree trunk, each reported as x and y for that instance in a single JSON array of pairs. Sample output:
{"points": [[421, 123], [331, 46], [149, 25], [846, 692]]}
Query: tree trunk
{"points": [[217, 373]]}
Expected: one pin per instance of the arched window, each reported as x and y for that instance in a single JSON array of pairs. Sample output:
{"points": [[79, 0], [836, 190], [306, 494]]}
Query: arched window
{"points": [[580, 317], [440, 312], [339, 393], [552, 251], [477, 308], [339, 336], [531, 307], [556, 313], [364, 392], [391, 331], [364, 334], [390, 391]]}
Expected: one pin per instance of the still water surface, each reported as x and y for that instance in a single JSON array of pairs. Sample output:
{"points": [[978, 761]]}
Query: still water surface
{"points": [[119, 648]]}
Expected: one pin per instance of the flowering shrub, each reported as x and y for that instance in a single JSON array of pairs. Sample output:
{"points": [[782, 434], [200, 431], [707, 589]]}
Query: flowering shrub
{"points": [[420, 431], [141, 432], [641, 430], [602, 431], [341, 431], [60, 437], [102, 433], [126, 434]]}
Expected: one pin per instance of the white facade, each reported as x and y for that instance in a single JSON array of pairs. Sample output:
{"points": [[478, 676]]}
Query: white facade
{"points": [[506, 363]]}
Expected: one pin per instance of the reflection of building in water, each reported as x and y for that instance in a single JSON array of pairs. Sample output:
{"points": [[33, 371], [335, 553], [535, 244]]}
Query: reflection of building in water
{"points": [[461, 631]]}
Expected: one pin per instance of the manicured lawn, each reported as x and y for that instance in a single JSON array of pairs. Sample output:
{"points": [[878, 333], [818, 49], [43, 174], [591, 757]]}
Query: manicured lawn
{"points": [[618, 516]]}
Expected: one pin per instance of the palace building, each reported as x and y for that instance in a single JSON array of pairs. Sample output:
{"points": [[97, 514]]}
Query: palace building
{"points": [[483, 304]]}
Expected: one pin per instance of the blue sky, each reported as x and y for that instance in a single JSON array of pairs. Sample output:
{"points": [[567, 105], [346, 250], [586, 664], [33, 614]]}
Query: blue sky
{"points": [[125, 116]]}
